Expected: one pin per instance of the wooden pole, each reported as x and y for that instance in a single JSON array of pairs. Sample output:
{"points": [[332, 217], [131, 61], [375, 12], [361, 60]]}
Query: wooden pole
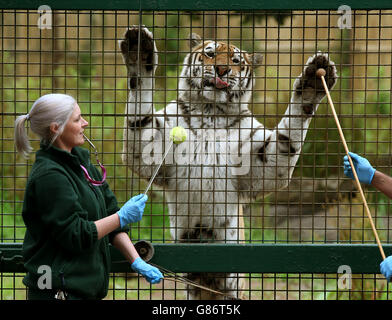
{"points": [[321, 73]]}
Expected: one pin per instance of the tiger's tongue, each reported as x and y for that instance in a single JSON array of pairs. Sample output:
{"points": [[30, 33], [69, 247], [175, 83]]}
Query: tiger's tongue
{"points": [[219, 83]]}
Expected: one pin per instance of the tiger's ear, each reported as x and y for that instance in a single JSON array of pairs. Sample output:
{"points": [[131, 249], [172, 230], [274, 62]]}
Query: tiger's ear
{"points": [[194, 39], [256, 59]]}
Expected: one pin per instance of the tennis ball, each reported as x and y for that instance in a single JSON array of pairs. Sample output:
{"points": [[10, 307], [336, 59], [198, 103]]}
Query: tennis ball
{"points": [[178, 135]]}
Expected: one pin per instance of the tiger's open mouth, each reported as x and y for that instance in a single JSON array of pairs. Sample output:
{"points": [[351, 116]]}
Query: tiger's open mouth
{"points": [[216, 82]]}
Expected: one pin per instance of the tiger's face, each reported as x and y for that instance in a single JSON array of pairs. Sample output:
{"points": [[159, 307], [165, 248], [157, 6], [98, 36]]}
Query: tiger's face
{"points": [[218, 72]]}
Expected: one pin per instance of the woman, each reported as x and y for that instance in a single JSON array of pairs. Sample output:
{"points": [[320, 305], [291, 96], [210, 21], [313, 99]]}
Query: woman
{"points": [[70, 216], [367, 174]]}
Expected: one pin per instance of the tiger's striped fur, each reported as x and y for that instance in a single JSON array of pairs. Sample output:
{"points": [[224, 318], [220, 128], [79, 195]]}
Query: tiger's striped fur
{"points": [[230, 157]]}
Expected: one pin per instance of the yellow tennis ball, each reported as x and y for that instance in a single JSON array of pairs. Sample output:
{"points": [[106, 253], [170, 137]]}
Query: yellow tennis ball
{"points": [[178, 135]]}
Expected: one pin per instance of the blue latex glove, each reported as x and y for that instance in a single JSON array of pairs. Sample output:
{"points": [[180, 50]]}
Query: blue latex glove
{"points": [[365, 171], [152, 274], [386, 268], [132, 210]]}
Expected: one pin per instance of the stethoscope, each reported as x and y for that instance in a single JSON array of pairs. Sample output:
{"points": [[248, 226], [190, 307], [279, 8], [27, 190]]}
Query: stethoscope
{"points": [[87, 176]]}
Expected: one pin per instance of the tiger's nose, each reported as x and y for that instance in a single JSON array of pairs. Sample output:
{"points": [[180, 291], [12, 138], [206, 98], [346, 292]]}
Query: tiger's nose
{"points": [[222, 70]]}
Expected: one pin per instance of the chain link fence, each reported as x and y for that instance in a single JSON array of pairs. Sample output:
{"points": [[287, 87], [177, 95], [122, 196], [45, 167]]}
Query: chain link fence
{"points": [[77, 52]]}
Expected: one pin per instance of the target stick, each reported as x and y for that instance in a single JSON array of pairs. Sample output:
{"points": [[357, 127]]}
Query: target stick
{"points": [[177, 135], [157, 168], [321, 73]]}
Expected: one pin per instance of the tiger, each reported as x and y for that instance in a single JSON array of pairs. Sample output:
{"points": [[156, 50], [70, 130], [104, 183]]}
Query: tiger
{"points": [[229, 158]]}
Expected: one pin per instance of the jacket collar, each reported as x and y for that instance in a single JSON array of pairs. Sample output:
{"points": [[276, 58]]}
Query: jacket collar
{"points": [[77, 156]]}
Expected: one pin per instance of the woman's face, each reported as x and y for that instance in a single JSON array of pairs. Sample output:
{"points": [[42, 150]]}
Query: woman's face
{"points": [[72, 135]]}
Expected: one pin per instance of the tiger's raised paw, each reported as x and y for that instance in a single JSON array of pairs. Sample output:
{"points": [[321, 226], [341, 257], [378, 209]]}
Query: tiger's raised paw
{"points": [[309, 87], [147, 53]]}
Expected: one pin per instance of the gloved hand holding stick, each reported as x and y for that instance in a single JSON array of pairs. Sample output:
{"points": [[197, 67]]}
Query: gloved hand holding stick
{"points": [[321, 73]]}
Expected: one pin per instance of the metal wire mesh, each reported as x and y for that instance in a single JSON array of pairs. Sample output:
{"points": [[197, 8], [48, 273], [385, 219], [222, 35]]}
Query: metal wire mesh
{"points": [[80, 56]]}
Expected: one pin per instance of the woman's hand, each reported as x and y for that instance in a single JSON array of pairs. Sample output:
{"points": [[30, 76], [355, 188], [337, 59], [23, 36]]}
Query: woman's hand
{"points": [[363, 168], [152, 274], [386, 268], [132, 211]]}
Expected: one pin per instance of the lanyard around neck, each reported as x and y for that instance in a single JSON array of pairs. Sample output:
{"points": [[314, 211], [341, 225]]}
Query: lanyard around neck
{"points": [[86, 174]]}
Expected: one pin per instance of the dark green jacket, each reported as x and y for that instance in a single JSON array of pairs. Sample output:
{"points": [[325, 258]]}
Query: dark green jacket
{"points": [[59, 211]]}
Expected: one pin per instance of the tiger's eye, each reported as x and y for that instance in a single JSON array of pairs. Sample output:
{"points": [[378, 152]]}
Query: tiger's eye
{"points": [[210, 54], [235, 60]]}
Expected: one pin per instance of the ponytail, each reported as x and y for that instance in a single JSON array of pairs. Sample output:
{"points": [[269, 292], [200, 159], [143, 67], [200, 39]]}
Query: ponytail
{"points": [[22, 142]]}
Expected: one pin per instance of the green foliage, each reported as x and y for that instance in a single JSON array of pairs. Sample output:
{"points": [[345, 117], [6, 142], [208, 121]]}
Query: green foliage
{"points": [[259, 16], [85, 68], [12, 228], [155, 223], [256, 16]]}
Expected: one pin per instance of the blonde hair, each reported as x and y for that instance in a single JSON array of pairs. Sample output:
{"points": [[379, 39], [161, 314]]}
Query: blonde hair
{"points": [[48, 109]]}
